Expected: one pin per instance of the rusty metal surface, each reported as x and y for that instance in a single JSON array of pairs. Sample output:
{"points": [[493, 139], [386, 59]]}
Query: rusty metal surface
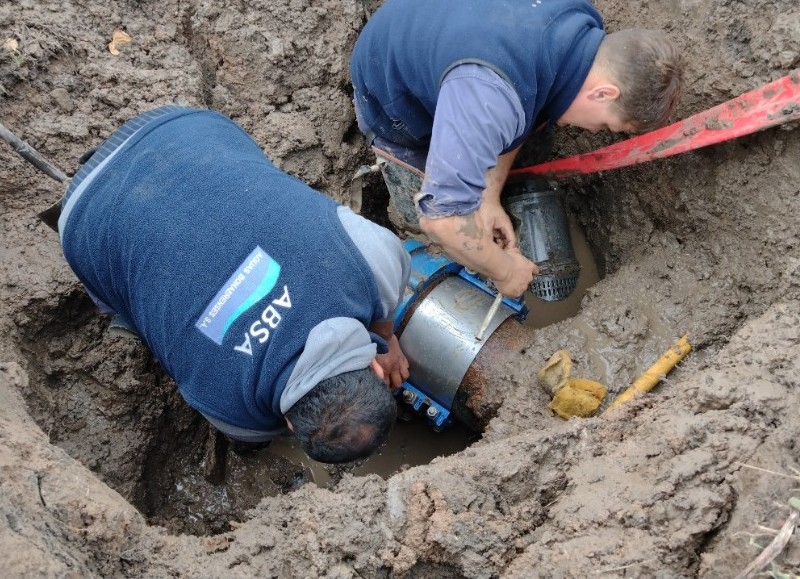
{"points": [[476, 402]]}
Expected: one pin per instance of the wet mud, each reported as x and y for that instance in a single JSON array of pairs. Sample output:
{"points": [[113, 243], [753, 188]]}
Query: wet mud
{"points": [[104, 471]]}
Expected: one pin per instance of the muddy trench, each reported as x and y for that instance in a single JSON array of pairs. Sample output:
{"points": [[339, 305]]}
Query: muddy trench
{"points": [[105, 471]]}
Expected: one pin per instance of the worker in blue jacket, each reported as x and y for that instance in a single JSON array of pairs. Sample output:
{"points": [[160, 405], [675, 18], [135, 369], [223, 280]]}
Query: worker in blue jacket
{"points": [[454, 87], [269, 304]]}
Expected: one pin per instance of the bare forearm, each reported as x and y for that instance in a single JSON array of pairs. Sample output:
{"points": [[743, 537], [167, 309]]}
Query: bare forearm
{"points": [[467, 239], [497, 175], [468, 242], [484, 240]]}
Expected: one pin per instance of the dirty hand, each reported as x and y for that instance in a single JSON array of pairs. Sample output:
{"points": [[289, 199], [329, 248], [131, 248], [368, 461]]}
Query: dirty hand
{"points": [[496, 220], [519, 273], [394, 364]]}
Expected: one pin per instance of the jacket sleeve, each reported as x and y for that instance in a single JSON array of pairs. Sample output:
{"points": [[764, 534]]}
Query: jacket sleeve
{"points": [[478, 116]]}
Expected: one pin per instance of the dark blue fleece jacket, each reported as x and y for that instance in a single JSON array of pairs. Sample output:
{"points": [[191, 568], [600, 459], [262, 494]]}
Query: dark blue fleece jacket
{"points": [[220, 261], [543, 48]]}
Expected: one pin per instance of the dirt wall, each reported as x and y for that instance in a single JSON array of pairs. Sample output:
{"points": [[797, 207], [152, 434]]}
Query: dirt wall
{"points": [[705, 244]]}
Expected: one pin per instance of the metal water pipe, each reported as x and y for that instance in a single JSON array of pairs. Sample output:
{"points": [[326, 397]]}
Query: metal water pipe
{"points": [[437, 322]]}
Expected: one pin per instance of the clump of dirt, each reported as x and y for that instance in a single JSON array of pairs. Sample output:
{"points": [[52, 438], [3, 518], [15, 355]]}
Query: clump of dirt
{"points": [[705, 243]]}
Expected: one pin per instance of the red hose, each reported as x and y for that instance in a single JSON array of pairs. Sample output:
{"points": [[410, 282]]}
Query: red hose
{"points": [[773, 104]]}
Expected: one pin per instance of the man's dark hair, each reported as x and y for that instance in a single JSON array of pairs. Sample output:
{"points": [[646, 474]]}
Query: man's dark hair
{"points": [[344, 418], [648, 69]]}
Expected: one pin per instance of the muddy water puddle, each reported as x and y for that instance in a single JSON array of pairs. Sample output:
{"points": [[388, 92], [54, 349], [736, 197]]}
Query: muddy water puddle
{"points": [[411, 443], [543, 313]]}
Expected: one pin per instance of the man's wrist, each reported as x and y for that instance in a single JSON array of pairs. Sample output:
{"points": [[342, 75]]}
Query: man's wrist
{"points": [[384, 328], [501, 270]]}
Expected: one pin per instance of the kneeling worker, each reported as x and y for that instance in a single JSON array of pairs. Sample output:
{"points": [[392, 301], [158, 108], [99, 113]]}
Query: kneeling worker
{"points": [[455, 87], [266, 301]]}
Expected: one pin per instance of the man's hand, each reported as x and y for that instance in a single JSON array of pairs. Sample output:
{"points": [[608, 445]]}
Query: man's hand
{"points": [[394, 364], [469, 242], [491, 213], [497, 223], [520, 272]]}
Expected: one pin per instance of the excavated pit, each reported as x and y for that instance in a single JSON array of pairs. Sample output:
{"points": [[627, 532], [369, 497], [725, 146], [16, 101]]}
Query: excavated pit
{"points": [[104, 399], [705, 243]]}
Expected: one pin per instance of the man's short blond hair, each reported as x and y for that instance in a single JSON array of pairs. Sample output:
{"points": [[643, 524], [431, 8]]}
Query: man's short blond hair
{"points": [[648, 70]]}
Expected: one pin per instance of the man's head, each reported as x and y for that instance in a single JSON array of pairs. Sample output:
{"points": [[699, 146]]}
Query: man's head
{"points": [[633, 85], [344, 418]]}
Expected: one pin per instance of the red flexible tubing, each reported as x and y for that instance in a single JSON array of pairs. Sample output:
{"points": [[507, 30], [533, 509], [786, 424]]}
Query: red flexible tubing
{"points": [[772, 104]]}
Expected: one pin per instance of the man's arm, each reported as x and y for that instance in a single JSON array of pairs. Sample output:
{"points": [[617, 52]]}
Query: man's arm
{"points": [[469, 240], [390, 265], [477, 116], [491, 206]]}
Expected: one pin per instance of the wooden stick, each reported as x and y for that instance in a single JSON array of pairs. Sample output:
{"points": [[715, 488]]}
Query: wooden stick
{"points": [[498, 299], [776, 546], [29, 154], [654, 374]]}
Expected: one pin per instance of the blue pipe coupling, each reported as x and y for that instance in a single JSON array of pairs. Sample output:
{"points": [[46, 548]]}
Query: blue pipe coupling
{"points": [[443, 308]]}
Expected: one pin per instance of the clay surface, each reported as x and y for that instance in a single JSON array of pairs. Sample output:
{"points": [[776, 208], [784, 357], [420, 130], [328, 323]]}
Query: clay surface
{"points": [[681, 483]]}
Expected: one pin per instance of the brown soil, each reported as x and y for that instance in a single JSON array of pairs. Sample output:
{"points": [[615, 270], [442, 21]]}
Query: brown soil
{"points": [[93, 435]]}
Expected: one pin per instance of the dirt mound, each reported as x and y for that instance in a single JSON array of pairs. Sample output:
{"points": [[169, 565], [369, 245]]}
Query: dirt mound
{"points": [[705, 243]]}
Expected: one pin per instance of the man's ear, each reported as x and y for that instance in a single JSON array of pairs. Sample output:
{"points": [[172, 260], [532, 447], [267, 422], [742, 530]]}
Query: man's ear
{"points": [[604, 92], [377, 369]]}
